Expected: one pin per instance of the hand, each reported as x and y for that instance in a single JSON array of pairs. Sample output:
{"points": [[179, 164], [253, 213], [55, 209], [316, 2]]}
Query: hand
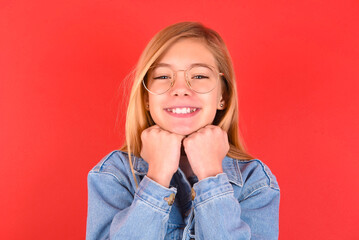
{"points": [[205, 150], [161, 150]]}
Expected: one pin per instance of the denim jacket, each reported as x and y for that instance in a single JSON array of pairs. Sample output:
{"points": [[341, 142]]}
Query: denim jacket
{"points": [[240, 203]]}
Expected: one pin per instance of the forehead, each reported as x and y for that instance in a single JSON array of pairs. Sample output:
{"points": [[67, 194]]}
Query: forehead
{"points": [[187, 51]]}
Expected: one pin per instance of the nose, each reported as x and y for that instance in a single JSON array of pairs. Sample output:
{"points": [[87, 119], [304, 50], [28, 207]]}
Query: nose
{"points": [[180, 87]]}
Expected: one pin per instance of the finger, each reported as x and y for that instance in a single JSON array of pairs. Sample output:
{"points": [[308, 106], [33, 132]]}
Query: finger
{"points": [[180, 137], [184, 143], [199, 130], [212, 127], [205, 128], [154, 127]]}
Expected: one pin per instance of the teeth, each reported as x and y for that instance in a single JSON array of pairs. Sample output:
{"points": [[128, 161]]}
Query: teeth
{"points": [[182, 110]]}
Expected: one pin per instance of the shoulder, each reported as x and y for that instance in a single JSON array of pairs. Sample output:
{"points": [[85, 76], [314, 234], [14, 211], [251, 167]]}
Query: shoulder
{"points": [[250, 174], [115, 163], [256, 170]]}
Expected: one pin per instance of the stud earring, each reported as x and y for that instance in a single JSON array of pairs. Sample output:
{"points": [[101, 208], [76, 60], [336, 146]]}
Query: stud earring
{"points": [[221, 105]]}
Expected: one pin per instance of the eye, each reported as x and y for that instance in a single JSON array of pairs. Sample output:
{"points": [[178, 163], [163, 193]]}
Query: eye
{"points": [[162, 77], [199, 77]]}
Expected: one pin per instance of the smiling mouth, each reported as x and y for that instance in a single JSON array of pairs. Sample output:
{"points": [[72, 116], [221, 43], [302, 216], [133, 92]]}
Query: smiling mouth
{"points": [[185, 110]]}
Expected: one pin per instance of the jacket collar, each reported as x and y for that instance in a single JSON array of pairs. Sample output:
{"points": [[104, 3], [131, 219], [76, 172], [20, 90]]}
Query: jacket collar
{"points": [[229, 165]]}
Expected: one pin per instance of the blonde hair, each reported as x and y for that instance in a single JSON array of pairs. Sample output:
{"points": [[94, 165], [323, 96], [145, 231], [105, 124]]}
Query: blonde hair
{"points": [[138, 118]]}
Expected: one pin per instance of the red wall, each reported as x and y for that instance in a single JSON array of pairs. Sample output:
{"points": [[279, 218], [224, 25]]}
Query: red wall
{"points": [[61, 67]]}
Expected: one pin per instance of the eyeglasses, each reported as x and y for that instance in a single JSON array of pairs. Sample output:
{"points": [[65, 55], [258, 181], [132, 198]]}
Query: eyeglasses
{"points": [[200, 78]]}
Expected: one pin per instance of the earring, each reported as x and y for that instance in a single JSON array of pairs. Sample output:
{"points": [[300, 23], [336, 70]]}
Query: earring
{"points": [[221, 105], [148, 106]]}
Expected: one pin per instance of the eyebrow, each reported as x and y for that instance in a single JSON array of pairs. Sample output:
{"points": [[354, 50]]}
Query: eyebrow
{"points": [[192, 65]]}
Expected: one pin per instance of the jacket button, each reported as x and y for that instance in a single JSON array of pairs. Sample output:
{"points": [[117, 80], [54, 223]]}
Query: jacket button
{"points": [[170, 200], [193, 193]]}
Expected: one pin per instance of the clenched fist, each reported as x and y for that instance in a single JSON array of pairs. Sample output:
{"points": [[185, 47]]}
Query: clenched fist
{"points": [[161, 150], [205, 150]]}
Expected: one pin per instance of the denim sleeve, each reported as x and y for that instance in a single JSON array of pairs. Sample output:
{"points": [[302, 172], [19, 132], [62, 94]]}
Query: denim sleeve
{"points": [[114, 213], [219, 215]]}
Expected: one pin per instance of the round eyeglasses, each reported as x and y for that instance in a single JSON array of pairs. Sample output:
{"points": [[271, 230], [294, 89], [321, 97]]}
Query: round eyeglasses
{"points": [[200, 78]]}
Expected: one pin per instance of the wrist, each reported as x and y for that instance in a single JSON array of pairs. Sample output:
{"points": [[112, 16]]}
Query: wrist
{"points": [[160, 178], [209, 173]]}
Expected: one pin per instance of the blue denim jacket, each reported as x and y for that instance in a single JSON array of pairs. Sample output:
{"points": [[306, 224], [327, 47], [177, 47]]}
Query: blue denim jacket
{"points": [[240, 203]]}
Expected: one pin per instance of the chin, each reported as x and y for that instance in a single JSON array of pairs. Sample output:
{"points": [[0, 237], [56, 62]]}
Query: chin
{"points": [[185, 131]]}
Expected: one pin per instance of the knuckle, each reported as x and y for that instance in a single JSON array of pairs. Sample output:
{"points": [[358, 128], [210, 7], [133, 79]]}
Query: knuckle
{"points": [[143, 134], [189, 140], [163, 134]]}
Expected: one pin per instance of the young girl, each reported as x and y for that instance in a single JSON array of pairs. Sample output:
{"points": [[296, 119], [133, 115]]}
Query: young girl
{"points": [[182, 172]]}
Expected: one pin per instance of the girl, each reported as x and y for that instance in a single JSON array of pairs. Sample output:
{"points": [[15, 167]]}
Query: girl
{"points": [[182, 172]]}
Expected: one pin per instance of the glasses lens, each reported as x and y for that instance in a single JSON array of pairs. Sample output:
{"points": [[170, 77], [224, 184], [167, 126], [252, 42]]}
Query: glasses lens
{"points": [[159, 79], [202, 78]]}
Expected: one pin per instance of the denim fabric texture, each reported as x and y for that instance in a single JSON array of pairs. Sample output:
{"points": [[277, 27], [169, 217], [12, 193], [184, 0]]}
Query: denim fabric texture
{"points": [[240, 203]]}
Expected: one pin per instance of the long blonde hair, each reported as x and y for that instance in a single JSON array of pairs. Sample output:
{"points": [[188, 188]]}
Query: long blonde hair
{"points": [[138, 118]]}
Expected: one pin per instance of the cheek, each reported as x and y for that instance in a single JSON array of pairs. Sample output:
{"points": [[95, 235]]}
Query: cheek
{"points": [[155, 109], [153, 102], [215, 99], [212, 104]]}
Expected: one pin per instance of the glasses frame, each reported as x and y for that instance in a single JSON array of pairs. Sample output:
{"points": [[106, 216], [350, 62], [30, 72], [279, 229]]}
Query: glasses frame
{"points": [[186, 77]]}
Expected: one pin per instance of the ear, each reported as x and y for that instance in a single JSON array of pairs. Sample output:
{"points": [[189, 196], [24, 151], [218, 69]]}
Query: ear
{"points": [[221, 104], [147, 106]]}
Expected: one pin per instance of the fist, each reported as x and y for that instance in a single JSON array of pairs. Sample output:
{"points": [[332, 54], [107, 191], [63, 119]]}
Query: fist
{"points": [[205, 150], [161, 150]]}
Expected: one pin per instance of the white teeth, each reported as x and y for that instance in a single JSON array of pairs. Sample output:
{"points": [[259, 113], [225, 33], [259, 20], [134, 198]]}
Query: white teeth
{"points": [[182, 110]]}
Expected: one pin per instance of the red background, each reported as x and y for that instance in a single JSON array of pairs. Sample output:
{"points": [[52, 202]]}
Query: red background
{"points": [[62, 103]]}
